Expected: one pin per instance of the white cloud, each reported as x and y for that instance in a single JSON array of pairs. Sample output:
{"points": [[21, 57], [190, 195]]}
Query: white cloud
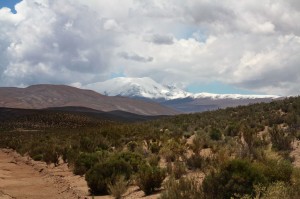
{"points": [[248, 44]]}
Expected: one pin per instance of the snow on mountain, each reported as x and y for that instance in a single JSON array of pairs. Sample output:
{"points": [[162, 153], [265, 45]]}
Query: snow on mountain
{"points": [[232, 96], [147, 88], [137, 87]]}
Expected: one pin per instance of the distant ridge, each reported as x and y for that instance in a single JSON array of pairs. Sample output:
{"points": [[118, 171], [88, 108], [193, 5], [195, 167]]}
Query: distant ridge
{"points": [[47, 96], [7, 114]]}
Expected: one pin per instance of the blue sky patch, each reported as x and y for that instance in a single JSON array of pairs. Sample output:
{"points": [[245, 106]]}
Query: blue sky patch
{"points": [[217, 87], [9, 4]]}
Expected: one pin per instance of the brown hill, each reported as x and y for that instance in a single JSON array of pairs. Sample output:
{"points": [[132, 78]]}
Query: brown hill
{"points": [[46, 96]]}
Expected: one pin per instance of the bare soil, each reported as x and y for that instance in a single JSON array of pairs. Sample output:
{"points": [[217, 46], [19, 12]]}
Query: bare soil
{"points": [[23, 178]]}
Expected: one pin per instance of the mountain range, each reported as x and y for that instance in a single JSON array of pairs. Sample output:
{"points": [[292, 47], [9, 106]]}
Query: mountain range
{"points": [[47, 96], [173, 97], [141, 96]]}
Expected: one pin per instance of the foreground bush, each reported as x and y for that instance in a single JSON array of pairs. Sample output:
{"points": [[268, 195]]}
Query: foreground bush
{"points": [[119, 187], [133, 159], [236, 177], [99, 176], [276, 170], [239, 177], [183, 188], [84, 162], [276, 190], [150, 178]]}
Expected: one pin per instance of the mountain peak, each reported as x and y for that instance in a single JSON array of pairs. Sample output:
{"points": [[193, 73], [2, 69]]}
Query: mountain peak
{"points": [[146, 87]]}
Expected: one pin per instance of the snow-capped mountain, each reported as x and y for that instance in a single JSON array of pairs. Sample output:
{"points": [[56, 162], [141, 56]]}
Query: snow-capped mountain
{"points": [[148, 88], [137, 87], [172, 97]]}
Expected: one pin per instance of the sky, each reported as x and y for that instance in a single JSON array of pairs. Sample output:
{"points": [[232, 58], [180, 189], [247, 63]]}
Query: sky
{"points": [[229, 46]]}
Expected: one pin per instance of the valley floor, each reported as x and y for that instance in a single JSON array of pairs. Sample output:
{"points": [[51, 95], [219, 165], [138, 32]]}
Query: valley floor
{"points": [[23, 178]]}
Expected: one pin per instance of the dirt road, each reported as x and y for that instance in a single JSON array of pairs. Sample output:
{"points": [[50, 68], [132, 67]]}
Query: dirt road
{"points": [[21, 179]]}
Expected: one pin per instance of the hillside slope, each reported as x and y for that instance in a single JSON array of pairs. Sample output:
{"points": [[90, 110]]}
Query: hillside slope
{"points": [[45, 96]]}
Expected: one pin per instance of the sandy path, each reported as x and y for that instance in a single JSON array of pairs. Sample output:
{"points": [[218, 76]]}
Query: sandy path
{"points": [[19, 178], [23, 178]]}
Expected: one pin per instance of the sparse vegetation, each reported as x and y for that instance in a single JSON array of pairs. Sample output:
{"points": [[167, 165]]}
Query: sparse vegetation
{"points": [[243, 151]]}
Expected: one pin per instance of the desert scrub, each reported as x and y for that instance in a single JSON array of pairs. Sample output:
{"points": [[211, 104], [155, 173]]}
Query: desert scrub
{"points": [[280, 140], [132, 158], [99, 176], [215, 134], [150, 178], [184, 188], [276, 190], [172, 150], [235, 177], [118, 188], [84, 162], [195, 162], [179, 169]]}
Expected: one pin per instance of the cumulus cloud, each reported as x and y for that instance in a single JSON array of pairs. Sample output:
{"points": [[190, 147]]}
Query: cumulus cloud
{"points": [[247, 44]]}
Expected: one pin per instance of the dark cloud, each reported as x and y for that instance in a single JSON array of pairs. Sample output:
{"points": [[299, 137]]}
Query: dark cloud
{"points": [[135, 57], [162, 39]]}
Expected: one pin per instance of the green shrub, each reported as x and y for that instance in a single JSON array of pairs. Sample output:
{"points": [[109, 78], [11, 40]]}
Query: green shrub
{"points": [[99, 176], [184, 188], [232, 130], [276, 190], [279, 139], [195, 162], [295, 188], [153, 160], [71, 156], [215, 134], [276, 170], [51, 155], [179, 169], [150, 178], [38, 157], [200, 141], [118, 188], [155, 147], [133, 159], [84, 162], [172, 150], [235, 177], [132, 145], [87, 144]]}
